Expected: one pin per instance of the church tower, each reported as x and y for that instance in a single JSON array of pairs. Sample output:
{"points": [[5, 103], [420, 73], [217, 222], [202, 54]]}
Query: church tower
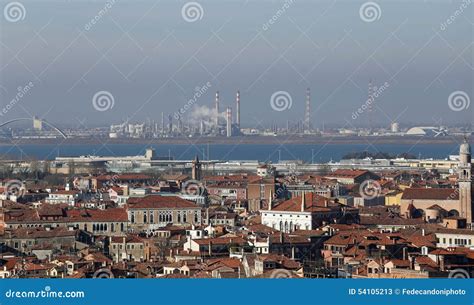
{"points": [[196, 169], [465, 181]]}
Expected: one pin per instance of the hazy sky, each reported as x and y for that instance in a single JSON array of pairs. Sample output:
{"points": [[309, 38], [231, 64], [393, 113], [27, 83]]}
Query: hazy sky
{"points": [[151, 55]]}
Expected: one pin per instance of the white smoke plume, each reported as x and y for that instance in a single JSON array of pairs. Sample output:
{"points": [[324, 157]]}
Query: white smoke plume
{"points": [[205, 114]]}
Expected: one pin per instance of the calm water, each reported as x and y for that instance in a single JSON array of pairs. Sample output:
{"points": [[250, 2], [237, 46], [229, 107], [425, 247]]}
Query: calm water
{"points": [[262, 152]]}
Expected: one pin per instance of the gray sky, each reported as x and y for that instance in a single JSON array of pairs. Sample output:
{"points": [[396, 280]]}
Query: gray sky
{"points": [[151, 58]]}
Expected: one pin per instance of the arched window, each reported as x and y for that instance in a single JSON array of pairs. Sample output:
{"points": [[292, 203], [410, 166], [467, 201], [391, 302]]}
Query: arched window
{"points": [[112, 227], [101, 227], [132, 217], [179, 216], [184, 216], [105, 227], [291, 226], [281, 225], [144, 216], [121, 227], [286, 226], [152, 217], [93, 227]]}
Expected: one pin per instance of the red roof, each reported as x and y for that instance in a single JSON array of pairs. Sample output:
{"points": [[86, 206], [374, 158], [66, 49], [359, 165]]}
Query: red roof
{"points": [[347, 173], [115, 214], [430, 194], [313, 202], [160, 202]]}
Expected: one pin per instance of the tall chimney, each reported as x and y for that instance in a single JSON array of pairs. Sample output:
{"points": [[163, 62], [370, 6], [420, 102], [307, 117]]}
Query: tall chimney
{"points": [[229, 122], [237, 109], [162, 122], [307, 114], [270, 199], [303, 202], [216, 123], [170, 123]]}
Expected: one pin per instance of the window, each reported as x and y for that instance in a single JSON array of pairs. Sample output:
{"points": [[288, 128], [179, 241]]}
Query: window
{"points": [[144, 217], [152, 217], [132, 217]]}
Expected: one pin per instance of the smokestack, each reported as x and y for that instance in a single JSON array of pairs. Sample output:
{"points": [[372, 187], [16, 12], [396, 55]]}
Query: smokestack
{"points": [[237, 102], [170, 123], [229, 122], [270, 199], [307, 114], [162, 122], [370, 101], [217, 109], [303, 202], [201, 128]]}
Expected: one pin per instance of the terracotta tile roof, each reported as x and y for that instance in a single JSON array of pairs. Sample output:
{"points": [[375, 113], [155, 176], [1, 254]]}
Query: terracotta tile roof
{"points": [[453, 251], [425, 260], [221, 241], [313, 203], [114, 214], [430, 194], [282, 260], [455, 231], [289, 238], [160, 202], [390, 220], [128, 239], [347, 173], [33, 233], [233, 263], [400, 262]]}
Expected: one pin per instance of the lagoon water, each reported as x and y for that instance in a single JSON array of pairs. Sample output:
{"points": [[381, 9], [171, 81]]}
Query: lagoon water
{"points": [[262, 152]]}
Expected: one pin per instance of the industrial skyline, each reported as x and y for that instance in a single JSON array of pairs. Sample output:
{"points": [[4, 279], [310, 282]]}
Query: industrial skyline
{"points": [[146, 60]]}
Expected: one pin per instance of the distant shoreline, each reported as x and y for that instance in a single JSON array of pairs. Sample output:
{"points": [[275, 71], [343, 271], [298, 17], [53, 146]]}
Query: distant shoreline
{"points": [[242, 140]]}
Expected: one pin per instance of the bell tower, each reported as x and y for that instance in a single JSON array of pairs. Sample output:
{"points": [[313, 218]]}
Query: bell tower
{"points": [[465, 182], [196, 169]]}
